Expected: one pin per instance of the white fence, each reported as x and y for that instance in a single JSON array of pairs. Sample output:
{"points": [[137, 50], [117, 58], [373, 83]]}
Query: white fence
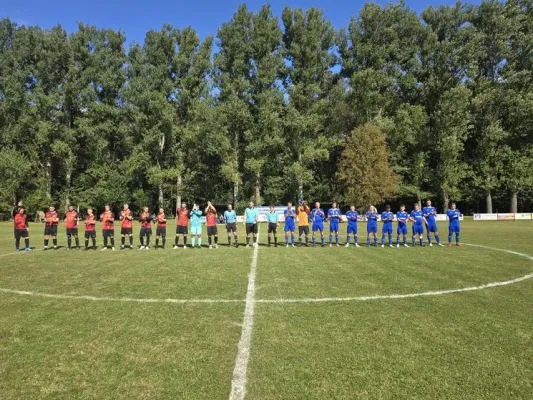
{"points": [[503, 217]]}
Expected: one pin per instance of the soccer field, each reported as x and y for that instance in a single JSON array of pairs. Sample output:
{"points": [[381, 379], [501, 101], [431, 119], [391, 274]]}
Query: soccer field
{"points": [[324, 323]]}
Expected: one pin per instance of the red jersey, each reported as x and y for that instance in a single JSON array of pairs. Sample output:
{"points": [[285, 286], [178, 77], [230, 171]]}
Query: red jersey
{"points": [[161, 220], [72, 219], [20, 221], [127, 219], [107, 219], [211, 217], [146, 221], [50, 218], [183, 216], [90, 223]]}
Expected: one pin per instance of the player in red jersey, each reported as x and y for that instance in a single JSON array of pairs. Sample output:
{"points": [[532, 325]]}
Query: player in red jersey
{"points": [[90, 229], [161, 231], [211, 217], [146, 229], [182, 218], [126, 226], [21, 229], [50, 228], [71, 219], [108, 227]]}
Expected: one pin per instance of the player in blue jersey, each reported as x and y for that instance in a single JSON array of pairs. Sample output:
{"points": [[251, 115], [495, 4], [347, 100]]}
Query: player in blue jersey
{"points": [[251, 217], [402, 217], [352, 217], [196, 225], [290, 226], [372, 225], [387, 217], [334, 217], [417, 216], [317, 216], [453, 215], [431, 223], [231, 225]]}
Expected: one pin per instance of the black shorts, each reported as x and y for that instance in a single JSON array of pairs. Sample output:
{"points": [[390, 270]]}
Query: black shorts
{"points": [[212, 230], [108, 233], [126, 231], [251, 228], [21, 233], [182, 230], [303, 229], [50, 230], [146, 232], [161, 231], [272, 227], [72, 231], [231, 227], [90, 234]]}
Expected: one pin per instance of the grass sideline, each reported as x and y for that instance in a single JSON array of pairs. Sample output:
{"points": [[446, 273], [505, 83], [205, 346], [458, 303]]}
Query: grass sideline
{"points": [[461, 346]]}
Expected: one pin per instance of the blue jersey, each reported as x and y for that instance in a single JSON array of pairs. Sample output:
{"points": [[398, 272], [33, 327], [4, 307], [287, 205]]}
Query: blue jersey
{"points": [[417, 216], [429, 213], [453, 216], [230, 216], [372, 218], [317, 215], [250, 214], [402, 217], [387, 217], [196, 218], [289, 215], [351, 216], [272, 217], [334, 215]]}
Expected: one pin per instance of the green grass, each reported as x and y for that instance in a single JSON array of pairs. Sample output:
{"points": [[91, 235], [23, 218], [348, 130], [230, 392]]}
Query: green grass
{"points": [[459, 346]]}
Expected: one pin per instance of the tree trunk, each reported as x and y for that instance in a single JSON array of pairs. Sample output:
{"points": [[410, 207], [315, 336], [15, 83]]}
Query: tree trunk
{"points": [[48, 181], [488, 201], [68, 178], [258, 189], [300, 181], [178, 192], [161, 197], [514, 202], [235, 193], [418, 199], [445, 202]]}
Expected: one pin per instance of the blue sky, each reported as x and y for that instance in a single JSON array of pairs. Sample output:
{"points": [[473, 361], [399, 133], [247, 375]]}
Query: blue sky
{"points": [[136, 17]]}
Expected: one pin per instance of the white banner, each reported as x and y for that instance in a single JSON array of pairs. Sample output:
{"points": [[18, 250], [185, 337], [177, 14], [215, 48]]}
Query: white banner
{"points": [[485, 217], [522, 216]]}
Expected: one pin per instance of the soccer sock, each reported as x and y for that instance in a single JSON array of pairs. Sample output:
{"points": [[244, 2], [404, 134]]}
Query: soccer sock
{"points": [[348, 239], [356, 239], [330, 238], [337, 238], [269, 240], [77, 239], [105, 241], [398, 240], [141, 240], [236, 238], [185, 240], [86, 243], [193, 241], [255, 239], [112, 241], [405, 239], [414, 240], [131, 240], [306, 240], [216, 239], [94, 243], [45, 242], [156, 242], [209, 240], [164, 241], [421, 242], [429, 239], [383, 238], [314, 240], [457, 238], [122, 240], [390, 238], [176, 241], [17, 244], [437, 238], [275, 240], [27, 243], [200, 241], [247, 240], [229, 240], [54, 241], [322, 239], [69, 241], [368, 240], [147, 241], [286, 239], [376, 241], [292, 238]]}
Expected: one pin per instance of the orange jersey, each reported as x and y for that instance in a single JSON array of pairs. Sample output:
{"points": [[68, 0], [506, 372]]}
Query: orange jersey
{"points": [[107, 219], [211, 217], [126, 219], [90, 223], [20, 221], [303, 216], [161, 220], [146, 220], [50, 218], [72, 219], [183, 216]]}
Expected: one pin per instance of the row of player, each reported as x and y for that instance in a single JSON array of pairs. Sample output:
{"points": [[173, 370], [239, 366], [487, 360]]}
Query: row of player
{"points": [[302, 215]]}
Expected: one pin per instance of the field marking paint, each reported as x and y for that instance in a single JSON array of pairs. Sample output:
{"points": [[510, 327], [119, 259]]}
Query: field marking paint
{"points": [[240, 371], [267, 301]]}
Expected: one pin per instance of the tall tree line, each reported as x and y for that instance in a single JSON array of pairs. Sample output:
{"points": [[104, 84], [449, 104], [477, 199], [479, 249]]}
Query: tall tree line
{"points": [[397, 106]]}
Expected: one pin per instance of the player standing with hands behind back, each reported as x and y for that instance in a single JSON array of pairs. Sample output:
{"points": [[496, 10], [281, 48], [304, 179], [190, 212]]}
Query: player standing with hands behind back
{"points": [[50, 228], [251, 214], [231, 225]]}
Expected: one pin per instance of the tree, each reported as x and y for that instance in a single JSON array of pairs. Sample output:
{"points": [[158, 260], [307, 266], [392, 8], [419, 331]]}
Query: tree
{"points": [[364, 169]]}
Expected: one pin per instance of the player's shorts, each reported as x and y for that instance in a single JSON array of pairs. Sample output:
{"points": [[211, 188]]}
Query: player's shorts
{"points": [[455, 228], [161, 231], [182, 230], [334, 227], [251, 228], [146, 232], [231, 227], [432, 227], [418, 229], [387, 231], [402, 229], [272, 227], [50, 230], [126, 231], [72, 231], [212, 230], [108, 232], [318, 226], [21, 234], [289, 226], [90, 234], [196, 230], [371, 228], [352, 229], [303, 229]]}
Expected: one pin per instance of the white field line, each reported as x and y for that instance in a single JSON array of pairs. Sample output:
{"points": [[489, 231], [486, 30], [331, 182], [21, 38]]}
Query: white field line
{"points": [[240, 371], [299, 300]]}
